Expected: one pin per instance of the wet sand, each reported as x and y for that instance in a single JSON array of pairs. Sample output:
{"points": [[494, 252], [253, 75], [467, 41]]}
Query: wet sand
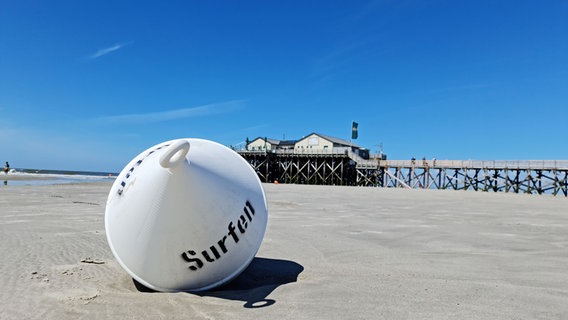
{"points": [[328, 253]]}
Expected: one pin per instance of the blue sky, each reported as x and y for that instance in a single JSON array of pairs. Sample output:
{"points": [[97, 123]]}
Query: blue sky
{"points": [[88, 85]]}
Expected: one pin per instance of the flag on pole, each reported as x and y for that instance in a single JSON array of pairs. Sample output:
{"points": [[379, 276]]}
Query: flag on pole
{"points": [[354, 133]]}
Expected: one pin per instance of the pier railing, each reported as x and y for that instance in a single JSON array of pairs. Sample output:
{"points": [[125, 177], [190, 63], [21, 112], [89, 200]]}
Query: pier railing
{"points": [[498, 164]]}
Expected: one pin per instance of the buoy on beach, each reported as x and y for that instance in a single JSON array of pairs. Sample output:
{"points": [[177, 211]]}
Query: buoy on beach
{"points": [[186, 215]]}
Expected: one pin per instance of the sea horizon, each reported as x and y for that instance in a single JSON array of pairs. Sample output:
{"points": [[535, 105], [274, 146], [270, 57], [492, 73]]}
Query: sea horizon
{"points": [[66, 172], [34, 177]]}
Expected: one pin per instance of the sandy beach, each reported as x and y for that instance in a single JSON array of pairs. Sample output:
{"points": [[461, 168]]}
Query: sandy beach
{"points": [[328, 253]]}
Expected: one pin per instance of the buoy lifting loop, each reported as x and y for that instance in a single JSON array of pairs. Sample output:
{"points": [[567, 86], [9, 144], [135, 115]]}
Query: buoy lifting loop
{"points": [[175, 154]]}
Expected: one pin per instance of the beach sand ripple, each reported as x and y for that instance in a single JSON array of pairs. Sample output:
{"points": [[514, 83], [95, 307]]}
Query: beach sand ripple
{"points": [[329, 253]]}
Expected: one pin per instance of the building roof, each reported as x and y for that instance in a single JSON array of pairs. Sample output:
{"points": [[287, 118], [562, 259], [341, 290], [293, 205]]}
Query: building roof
{"points": [[277, 142], [283, 143], [333, 139]]}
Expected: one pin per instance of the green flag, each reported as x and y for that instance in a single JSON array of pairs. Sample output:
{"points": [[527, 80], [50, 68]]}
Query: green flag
{"points": [[354, 133]]}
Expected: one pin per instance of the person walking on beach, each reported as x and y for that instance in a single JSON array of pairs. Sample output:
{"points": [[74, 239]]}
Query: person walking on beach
{"points": [[6, 168]]}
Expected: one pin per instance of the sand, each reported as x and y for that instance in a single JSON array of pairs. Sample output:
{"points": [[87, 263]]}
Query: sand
{"points": [[328, 253]]}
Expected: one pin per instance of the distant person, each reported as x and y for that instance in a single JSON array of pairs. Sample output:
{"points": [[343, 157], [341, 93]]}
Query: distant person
{"points": [[6, 167]]}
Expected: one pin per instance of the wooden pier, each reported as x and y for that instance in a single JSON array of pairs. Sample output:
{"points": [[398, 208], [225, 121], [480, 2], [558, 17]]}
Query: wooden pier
{"points": [[532, 176], [329, 169]]}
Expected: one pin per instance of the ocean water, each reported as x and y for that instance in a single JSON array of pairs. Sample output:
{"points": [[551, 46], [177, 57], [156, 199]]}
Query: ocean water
{"points": [[34, 177]]}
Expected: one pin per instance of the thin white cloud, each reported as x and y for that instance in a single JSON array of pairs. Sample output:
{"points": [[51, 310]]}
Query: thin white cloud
{"points": [[105, 51], [200, 111]]}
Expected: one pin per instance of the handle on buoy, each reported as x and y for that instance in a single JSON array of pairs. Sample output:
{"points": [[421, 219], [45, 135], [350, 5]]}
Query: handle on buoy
{"points": [[175, 154]]}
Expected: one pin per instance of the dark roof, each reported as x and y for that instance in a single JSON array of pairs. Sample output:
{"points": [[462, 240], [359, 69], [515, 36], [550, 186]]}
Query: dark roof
{"points": [[278, 142], [287, 142], [334, 140]]}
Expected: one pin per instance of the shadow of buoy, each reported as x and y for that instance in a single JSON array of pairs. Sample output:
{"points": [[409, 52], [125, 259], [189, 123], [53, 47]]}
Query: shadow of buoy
{"points": [[253, 286]]}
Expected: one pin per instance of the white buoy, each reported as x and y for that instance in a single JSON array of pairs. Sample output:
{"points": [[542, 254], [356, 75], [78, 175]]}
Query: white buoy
{"points": [[186, 215]]}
